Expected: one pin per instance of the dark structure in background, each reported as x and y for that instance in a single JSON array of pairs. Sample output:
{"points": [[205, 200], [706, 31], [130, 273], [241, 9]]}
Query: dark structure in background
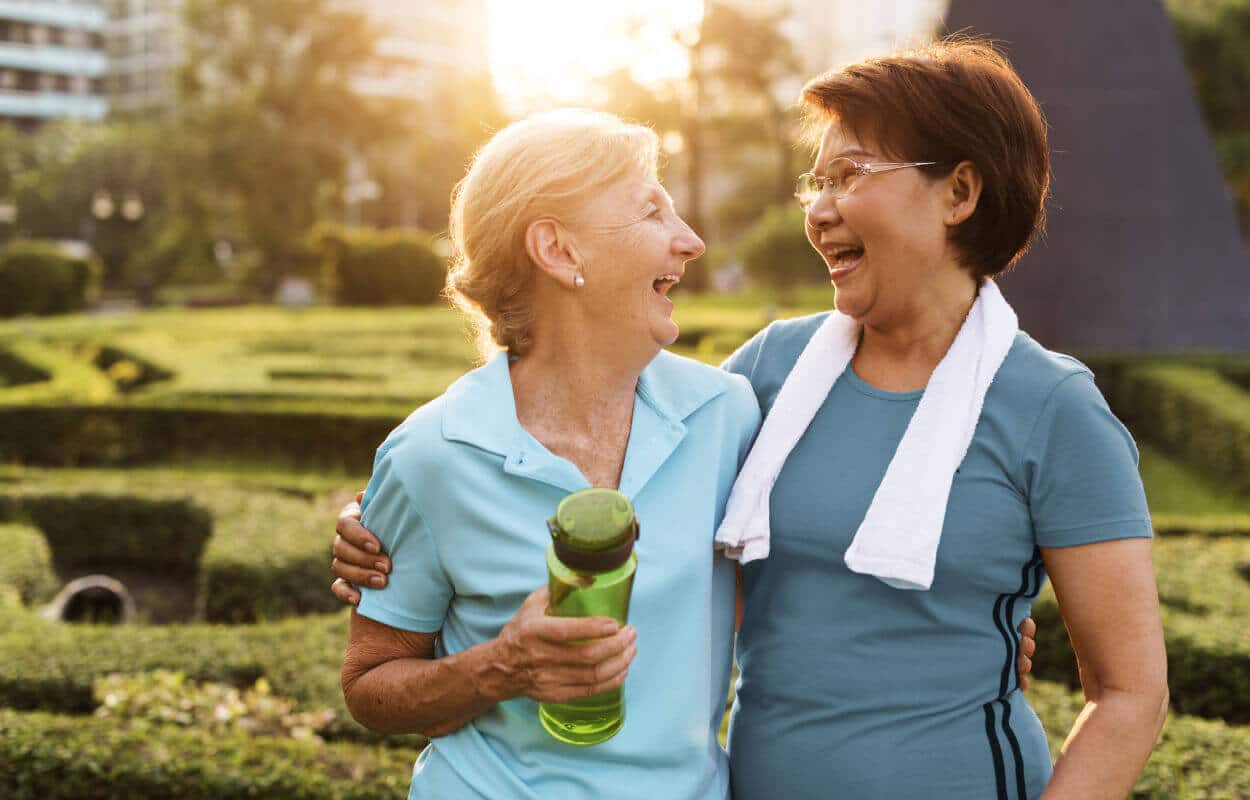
{"points": [[1143, 251]]}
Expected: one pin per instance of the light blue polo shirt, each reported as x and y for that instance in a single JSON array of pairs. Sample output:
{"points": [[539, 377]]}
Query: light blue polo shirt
{"points": [[852, 689], [460, 495]]}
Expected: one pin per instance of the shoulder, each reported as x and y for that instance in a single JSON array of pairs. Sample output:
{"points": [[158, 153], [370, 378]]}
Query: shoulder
{"points": [[779, 343], [767, 358], [684, 385], [1031, 376]]}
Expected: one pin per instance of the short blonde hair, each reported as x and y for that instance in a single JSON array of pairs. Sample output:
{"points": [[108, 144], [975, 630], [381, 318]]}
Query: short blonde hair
{"points": [[544, 166]]}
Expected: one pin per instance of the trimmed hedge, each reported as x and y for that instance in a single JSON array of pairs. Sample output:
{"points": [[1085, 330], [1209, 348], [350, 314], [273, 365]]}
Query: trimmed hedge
{"points": [[43, 278], [370, 267], [1191, 413], [129, 435], [26, 568], [90, 531], [50, 757], [1194, 758], [15, 371], [267, 556], [1204, 590]]}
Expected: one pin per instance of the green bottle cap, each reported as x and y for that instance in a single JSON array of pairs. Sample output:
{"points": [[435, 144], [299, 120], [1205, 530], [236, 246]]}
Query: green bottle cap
{"points": [[594, 530]]}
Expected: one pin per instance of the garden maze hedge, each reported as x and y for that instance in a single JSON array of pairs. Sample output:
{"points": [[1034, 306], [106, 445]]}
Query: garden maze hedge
{"points": [[154, 449]]}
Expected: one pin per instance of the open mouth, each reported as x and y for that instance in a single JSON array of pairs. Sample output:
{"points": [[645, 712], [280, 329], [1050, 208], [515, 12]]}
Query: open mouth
{"points": [[662, 284], [843, 259]]}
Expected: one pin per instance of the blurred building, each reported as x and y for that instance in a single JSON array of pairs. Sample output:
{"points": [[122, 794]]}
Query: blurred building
{"points": [[423, 45], [830, 33], [52, 61], [144, 45]]}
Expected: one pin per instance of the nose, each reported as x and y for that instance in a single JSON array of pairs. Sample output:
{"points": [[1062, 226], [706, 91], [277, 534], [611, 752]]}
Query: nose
{"points": [[687, 243], [823, 213]]}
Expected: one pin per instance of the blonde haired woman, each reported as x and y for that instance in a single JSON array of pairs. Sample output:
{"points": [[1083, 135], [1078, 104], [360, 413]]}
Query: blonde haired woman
{"points": [[567, 246]]}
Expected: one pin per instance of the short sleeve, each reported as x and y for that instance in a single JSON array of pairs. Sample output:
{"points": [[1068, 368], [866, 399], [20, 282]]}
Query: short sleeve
{"points": [[1080, 469], [743, 360], [418, 592]]}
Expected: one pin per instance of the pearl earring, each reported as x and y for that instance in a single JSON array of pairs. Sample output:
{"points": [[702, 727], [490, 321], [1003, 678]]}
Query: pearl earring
{"points": [[579, 281]]}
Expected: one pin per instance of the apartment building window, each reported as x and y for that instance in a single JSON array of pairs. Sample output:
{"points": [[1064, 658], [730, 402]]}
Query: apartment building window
{"points": [[40, 35], [8, 80]]}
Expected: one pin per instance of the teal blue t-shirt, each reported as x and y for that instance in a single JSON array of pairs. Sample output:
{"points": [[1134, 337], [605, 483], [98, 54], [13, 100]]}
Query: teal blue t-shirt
{"points": [[852, 689], [460, 495]]}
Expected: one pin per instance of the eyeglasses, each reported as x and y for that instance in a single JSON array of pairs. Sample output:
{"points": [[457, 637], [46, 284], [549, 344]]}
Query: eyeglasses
{"points": [[841, 177]]}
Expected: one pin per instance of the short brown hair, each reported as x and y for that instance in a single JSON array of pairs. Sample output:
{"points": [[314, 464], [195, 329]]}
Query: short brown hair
{"points": [[955, 100]]}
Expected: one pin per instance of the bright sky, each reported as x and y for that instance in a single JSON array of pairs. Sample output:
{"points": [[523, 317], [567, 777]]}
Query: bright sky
{"points": [[544, 52]]}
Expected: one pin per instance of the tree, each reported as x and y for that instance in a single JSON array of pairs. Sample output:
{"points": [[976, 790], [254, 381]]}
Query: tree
{"points": [[425, 149], [268, 105], [732, 106], [1213, 35]]}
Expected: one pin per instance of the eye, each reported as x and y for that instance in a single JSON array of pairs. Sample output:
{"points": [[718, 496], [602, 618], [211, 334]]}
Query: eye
{"points": [[654, 212]]}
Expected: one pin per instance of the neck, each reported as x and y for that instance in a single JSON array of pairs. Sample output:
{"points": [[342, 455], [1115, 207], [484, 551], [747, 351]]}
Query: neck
{"points": [[575, 383], [924, 330]]}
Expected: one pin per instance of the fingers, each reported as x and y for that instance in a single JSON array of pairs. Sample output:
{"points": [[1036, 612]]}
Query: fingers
{"points": [[1028, 647], [1024, 666], [353, 556], [565, 693], [566, 630], [357, 535], [345, 592], [1028, 628], [360, 497], [361, 577]]}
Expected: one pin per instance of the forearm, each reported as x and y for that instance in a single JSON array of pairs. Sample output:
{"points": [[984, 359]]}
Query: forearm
{"points": [[1109, 744], [428, 696]]}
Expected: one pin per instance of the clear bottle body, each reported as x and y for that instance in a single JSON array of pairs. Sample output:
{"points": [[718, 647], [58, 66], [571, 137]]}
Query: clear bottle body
{"points": [[595, 719]]}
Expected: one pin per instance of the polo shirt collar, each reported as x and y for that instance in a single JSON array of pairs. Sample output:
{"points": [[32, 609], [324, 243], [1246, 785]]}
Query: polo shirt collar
{"points": [[480, 410]]}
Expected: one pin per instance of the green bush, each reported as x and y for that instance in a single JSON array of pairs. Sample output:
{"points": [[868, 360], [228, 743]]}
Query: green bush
{"points": [[89, 531], [776, 252], [1204, 589], [42, 278], [1195, 759], [368, 267], [27, 564], [266, 557], [170, 697], [129, 435], [16, 371], [1191, 413], [50, 757]]}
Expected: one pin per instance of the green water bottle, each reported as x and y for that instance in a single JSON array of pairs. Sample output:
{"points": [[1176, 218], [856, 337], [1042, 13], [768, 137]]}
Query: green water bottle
{"points": [[591, 565]]}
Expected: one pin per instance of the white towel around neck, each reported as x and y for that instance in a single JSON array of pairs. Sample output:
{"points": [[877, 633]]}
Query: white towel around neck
{"points": [[898, 539]]}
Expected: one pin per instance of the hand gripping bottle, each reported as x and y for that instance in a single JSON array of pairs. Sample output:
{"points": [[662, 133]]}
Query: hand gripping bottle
{"points": [[590, 564]]}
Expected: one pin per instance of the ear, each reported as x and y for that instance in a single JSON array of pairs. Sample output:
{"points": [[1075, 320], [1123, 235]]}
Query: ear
{"points": [[963, 192], [548, 246]]}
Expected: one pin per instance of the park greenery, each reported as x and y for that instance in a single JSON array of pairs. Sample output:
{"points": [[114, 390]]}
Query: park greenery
{"points": [[201, 455], [228, 192]]}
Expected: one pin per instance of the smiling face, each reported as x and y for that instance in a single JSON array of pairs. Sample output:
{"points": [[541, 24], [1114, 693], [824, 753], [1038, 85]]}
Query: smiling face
{"points": [[886, 241], [633, 248]]}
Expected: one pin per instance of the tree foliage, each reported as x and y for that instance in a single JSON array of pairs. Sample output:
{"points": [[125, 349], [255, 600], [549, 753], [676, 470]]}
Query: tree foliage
{"points": [[1214, 36], [268, 104]]}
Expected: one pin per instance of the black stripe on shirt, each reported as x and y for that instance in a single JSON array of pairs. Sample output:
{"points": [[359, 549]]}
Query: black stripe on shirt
{"points": [[1015, 750], [1000, 773], [1030, 585]]}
